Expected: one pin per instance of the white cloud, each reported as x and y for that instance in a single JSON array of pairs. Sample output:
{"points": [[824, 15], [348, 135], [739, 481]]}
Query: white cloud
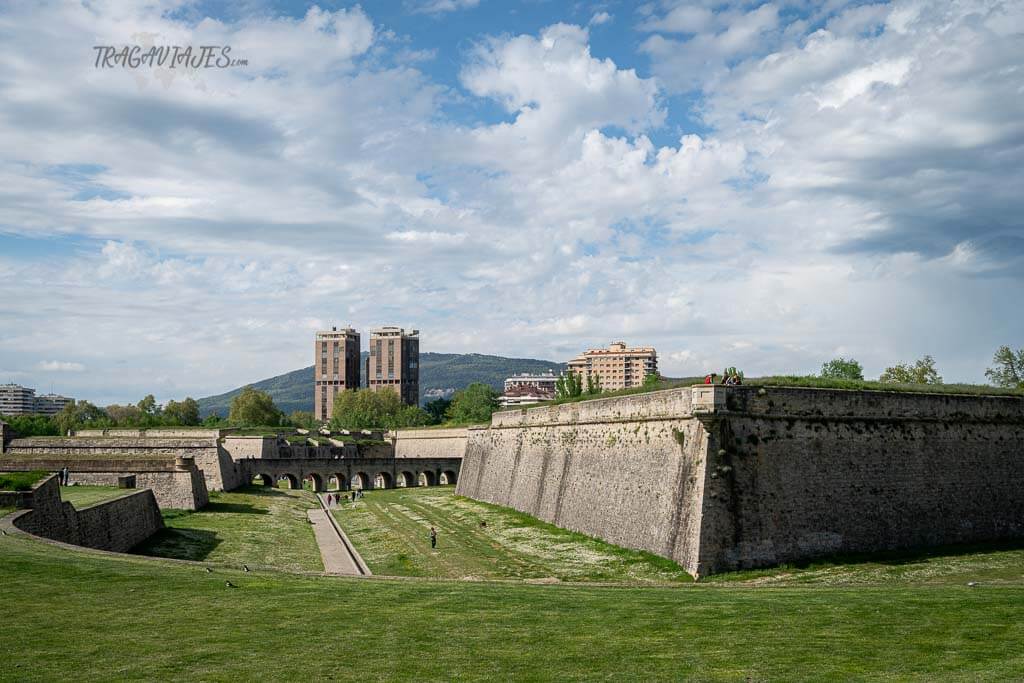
{"points": [[440, 6], [59, 366], [599, 18], [855, 185]]}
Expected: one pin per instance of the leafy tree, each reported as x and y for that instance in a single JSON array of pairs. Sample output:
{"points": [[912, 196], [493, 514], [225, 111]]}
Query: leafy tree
{"points": [[475, 403], [81, 414], [32, 425], [841, 368], [651, 380], [253, 407], [369, 409], [437, 409], [185, 413], [214, 421], [1009, 368], [148, 405], [125, 416], [303, 419], [593, 384], [569, 385], [921, 372]]}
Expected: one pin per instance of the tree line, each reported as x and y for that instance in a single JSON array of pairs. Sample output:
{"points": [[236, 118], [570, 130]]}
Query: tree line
{"points": [[1007, 370]]}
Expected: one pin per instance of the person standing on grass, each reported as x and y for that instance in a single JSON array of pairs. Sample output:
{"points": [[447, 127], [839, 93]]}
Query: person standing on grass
{"points": [[433, 538]]}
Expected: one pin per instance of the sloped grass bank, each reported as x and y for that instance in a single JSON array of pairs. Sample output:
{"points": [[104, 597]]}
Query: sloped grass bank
{"points": [[256, 526], [391, 530], [96, 618]]}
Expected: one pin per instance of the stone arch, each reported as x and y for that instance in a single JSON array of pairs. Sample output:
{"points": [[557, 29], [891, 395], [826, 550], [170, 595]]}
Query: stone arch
{"points": [[263, 480], [339, 482], [382, 480], [293, 481], [315, 480], [405, 480], [360, 481], [448, 478], [425, 478]]}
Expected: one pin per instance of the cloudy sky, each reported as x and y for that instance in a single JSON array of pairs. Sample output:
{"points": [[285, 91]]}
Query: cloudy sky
{"points": [[761, 185]]}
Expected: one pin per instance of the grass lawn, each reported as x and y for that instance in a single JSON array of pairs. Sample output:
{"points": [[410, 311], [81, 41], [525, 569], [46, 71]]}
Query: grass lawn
{"points": [[257, 526], [84, 496], [391, 530], [990, 564], [102, 618], [20, 481]]}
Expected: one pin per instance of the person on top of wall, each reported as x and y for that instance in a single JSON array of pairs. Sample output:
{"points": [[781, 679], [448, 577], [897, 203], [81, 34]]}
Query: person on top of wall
{"points": [[709, 378]]}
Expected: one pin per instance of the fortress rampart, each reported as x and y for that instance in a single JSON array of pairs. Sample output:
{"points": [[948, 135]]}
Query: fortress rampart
{"points": [[117, 525], [721, 478], [430, 443]]}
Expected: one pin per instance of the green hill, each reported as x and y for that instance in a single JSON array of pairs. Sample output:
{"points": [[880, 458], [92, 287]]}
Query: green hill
{"points": [[441, 374]]}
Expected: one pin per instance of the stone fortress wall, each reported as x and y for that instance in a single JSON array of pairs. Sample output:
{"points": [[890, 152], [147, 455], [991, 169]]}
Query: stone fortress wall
{"points": [[117, 525], [722, 478], [429, 443]]}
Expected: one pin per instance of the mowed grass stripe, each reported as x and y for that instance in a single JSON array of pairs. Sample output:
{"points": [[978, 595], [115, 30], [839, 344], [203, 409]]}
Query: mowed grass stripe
{"points": [[390, 528], [97, 618]]}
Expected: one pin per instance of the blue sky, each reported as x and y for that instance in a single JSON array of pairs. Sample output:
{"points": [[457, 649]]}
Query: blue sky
{"points": [[760, 184]]}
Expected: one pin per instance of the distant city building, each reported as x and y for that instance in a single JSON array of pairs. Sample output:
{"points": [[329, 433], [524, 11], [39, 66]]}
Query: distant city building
{"points": [[394, 362], [618, 366], [18, 400], [336, 368], [51, 404], [525, 389]]}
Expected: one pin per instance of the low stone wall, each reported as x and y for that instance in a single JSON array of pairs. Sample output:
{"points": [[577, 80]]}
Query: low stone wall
{"points": [[175, 484], [117, 525], [430, 443], [723, 478]]}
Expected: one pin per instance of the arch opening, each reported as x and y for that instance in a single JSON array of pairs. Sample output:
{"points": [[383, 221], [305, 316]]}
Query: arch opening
{"points": [[447, 478], [287, 481], [313, 482], [336, 482], [263, 480], [426, 478], [360, 481], [382, 480], [405, 480]]}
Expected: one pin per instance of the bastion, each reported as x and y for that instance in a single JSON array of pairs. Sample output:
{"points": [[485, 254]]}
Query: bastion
{"points": [[721, 478]]}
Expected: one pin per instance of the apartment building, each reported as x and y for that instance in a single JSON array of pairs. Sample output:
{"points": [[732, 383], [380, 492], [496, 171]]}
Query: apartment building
{"points": [[336, 368], [18, 400], [618, 366], [528, 388], [394, 362]]}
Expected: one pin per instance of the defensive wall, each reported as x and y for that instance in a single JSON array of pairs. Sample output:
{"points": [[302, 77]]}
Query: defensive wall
{"points": [[721, 478], [359, 473], [429, 443], [225, 461], [175, 482], [117, 525]]}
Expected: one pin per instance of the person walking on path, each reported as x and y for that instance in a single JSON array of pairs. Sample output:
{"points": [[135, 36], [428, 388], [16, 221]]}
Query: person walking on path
{"points": [[433, 538]]}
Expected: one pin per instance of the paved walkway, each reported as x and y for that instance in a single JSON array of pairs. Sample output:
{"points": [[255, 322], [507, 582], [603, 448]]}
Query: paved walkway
{"points": [[337, 558]]}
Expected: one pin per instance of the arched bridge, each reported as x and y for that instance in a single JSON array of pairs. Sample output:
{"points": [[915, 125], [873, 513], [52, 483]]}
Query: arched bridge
{"points": [[351, 473]]}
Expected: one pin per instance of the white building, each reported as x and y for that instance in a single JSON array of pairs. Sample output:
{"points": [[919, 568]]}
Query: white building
{"points": [[526, 389], [18, 400]]}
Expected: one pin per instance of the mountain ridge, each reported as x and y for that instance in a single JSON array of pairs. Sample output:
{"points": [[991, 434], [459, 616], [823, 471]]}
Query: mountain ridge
{"points": [[441, 374]]}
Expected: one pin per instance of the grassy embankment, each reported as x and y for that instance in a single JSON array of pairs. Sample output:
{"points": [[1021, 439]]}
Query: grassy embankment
{"points": [[391, 530], [257, 526], [20, 481], [72, 613], [801, 381], [84, 496]]}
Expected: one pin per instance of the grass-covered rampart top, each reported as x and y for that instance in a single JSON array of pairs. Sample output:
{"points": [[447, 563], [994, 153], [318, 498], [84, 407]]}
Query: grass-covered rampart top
{"points": [[20, 481], [809, 382]]}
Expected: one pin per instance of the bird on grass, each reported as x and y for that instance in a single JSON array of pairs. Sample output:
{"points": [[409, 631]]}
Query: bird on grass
{"points": [[229, 584], [245, 567], [209, 571]]}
